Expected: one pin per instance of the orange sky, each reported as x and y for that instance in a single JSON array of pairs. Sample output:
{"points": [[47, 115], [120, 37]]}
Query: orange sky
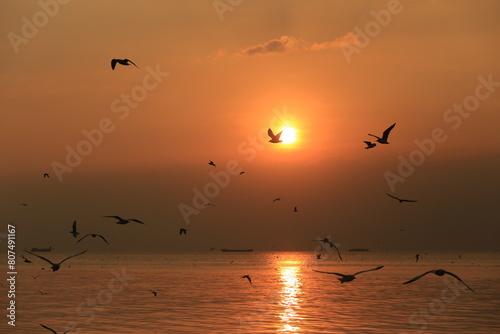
{"points": [[224, 75]]}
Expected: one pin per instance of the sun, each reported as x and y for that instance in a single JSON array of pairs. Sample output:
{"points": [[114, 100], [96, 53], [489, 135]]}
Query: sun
{"points": [[289, 135]]}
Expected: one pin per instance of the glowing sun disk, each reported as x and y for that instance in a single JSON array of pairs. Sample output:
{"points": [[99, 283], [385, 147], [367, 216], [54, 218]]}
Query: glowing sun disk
{"points": [[289, 135]]}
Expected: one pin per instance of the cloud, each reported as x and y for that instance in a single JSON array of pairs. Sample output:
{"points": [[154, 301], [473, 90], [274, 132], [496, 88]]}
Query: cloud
{"points": [[281, 45], [291, 44], [348, 39]]}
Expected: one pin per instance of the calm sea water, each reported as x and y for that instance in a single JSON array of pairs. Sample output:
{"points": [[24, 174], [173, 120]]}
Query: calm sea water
{"points": [[204, 293]]}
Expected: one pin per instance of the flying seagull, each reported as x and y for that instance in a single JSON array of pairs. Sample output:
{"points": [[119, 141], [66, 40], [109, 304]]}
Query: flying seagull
{"points": [[439, 272], [122, 221], [53, 331], [46, 175], [125, 62], [42, 293], [369, 145], [401, 200], [295, 209], [182, 230], [248, 278], [328, 241], [153, 292], [347, 278], [277, 199], [55, 266], [274, 138], [385, 135], [74, 231], [242, 173], [23, 204], [211, 163], [93, 236]]}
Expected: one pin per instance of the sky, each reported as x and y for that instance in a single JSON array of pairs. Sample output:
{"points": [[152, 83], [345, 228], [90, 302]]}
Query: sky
{"points": [[211, 78]]}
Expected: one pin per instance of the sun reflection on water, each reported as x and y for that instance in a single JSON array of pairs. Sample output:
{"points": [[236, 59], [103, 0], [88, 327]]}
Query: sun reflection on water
{"points": [[290, 301]]}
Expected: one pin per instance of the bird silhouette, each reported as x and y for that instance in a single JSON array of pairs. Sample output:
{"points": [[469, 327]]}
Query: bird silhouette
{"points": [[274, 138], [241, 173], [55, 266], [53, 331], [318, 256], [369, 145], [46, 175], [248, 278], [385, 135], [124, 62], [332, 245], [438, 272], [401, 200], [122, 221], [182, 231], [348, 278], [42, 293], [295, 209], [25, 259], [153, 292], [93, 235], [74, 231], [23, 204], [211, 163], [277, 199]]}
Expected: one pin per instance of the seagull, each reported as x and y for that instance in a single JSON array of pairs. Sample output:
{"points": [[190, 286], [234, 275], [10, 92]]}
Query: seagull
{"points": [[318, 256], [23, 204], [439, 272], [295, 209], [93, 236], [153, 292], [327, 241], [55, 266], [211, 163], [182, 230], [248, 278], [125, 62], [42, 293], [277, 199], [385, 135], [416, 257], [46, 175], [241, 173], [402, 200], [53, 331], [25, 259], [274, 138], [73, 230], [369, 145], [122, 221], [347, 278]]}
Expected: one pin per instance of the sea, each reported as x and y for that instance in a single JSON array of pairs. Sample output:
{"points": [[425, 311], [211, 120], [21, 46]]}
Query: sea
{"points": [[205, 292]]}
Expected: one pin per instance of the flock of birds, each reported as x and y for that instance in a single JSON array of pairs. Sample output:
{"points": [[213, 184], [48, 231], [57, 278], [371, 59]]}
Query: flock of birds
{"points": [[275, 139]]}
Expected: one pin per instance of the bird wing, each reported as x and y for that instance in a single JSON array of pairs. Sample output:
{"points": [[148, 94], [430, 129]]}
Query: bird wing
{"points": [[41, 257], [113, 63], [458, 278], [50, 329], [419, 276], [385, 135], [338, 252], [410, 200], [69, 257], [369, 143], [328, 272], [137, 221], [279, 135], [373, 136], [130, 61], [117, 217], [364, 271], [106, 241], [70, 330], [392, 196], [83, 238], [270, 133], [74, 226]]}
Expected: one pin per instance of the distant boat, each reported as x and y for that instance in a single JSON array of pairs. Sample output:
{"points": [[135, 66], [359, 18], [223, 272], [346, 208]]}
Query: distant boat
{"points": [[359, 250], [237, 250], [34, 249]]}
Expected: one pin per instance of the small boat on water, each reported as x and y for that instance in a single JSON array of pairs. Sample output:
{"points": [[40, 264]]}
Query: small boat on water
{"points": [[359, 250], [34, 249], [236, 250]]}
